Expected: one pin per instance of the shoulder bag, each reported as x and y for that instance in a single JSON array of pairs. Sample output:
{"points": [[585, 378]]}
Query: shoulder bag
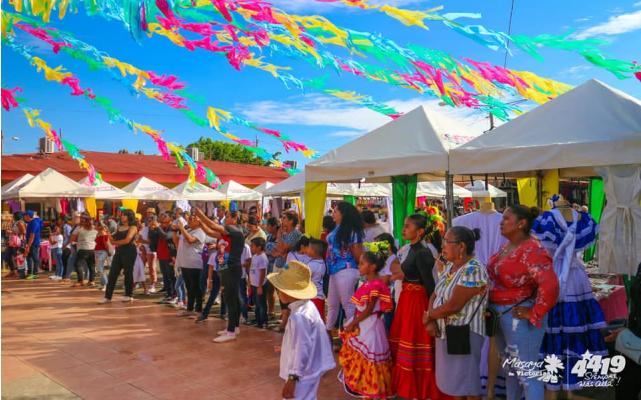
{"points": [[458, 336]]}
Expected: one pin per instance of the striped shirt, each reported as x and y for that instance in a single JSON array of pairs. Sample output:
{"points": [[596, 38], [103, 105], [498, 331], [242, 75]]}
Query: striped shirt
{"points": [[471, 275]]}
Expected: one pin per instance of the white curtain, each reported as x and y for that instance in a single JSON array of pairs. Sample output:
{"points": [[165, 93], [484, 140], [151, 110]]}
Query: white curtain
{"points": [[620, 230]]}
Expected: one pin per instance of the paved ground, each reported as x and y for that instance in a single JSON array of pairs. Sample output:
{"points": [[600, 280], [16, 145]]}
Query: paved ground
{"points": [[58, 344]]}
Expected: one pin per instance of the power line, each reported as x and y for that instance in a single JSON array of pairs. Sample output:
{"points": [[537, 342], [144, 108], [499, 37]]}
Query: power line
{"points": [[509, 32]]}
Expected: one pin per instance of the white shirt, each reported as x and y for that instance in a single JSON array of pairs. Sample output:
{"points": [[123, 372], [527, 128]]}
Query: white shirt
{"points": [[144, 235], [188, 255], [490, 225], [259, 262], [305, 351], [295, 256], [57, 244], [244, 256], [318, 272], [87, 239], [372, 232], [387, 269]]}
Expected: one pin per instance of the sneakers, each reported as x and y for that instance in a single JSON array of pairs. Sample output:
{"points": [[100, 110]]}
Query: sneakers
{"points": [[104, 301], [52, 277], [152, 289], [225, 331], [201, 318], [126, 299], [31, 277], [91, 284], [227, 337], [103, 288]]}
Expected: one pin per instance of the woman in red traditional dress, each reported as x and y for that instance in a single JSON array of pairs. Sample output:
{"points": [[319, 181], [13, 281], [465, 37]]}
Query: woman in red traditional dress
{"points": [[412, 347]]}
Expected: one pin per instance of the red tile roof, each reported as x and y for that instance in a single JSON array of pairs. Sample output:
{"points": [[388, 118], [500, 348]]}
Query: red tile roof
{"points": [[121, 169]]}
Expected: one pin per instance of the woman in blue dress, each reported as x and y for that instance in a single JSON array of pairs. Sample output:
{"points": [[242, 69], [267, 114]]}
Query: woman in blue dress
{"points": [[574, 324]]}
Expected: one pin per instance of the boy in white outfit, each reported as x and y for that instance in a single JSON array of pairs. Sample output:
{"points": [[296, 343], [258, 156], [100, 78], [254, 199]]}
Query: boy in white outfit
{"points": [[306, 353]]}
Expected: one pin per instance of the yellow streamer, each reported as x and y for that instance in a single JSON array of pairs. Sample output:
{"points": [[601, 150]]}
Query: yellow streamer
{"points": [[31, 114], [57, 74], [212, 116]]}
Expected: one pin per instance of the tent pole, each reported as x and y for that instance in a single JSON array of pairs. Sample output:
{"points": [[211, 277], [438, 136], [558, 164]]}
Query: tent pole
{"points": [[449, 197], [539, 189]]}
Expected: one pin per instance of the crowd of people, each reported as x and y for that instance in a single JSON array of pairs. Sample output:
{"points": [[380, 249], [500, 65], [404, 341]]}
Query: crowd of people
{"points": [[417, 321]]}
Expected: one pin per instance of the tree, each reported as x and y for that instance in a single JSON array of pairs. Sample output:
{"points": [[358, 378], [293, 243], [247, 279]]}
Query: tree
{"points": [[222, 151]]}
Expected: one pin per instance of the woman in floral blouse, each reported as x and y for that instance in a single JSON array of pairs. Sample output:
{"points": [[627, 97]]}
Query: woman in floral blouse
{"points": [[524, 287]]}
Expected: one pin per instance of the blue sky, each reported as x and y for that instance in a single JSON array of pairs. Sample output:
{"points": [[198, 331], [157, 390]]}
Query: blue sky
{"points": [[320, 122]]}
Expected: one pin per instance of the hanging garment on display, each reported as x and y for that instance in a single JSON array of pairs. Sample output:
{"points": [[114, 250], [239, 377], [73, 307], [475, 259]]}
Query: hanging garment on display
{"points": [[490, 225], [620, 231]]}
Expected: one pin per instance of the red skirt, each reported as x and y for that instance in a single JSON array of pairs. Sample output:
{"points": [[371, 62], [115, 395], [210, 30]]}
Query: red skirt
{"points": [[320, 306], [412, 349]]}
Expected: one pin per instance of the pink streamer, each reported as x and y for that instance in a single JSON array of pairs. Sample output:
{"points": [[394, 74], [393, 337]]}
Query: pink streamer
{"points": [[74, 84], [170, 81], [8, 100], [272, 132], [162, 147], [201, 173], [221, 6], [44, 36]]}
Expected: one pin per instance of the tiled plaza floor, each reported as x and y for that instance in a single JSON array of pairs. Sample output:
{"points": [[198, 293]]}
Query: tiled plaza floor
{"points": [[57, 343]]}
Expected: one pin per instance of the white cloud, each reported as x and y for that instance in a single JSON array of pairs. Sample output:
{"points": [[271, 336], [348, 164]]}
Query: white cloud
{"points": [[346, 134], [577, 71], [316, 110], [637, 4], [586, 19], [615, 25]]}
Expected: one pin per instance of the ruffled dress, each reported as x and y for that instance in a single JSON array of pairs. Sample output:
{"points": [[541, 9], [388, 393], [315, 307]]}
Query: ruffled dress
{"points": [[574, 324], [365, 357]]}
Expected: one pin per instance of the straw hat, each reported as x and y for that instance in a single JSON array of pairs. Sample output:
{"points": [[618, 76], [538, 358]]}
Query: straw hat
{"points": [[295, 280]]}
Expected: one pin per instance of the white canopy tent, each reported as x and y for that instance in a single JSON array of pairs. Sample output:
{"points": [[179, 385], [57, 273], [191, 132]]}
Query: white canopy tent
{"points": [[49, 183], [104, 190], [294, 186], [589, 126], [477, 189], [233, 190], [263, 187], [589, 131], [438, 189], [198, 192], [16, 183], [413, 143], [146, 189]]}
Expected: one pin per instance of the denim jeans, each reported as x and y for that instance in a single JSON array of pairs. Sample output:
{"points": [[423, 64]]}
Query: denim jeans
{"points": [[215, 288], [260, 306], [71, 262], [168, 278], [56, 254], [180, 288], [242, 301], [518, 339], [101, 259], [33, 260]]}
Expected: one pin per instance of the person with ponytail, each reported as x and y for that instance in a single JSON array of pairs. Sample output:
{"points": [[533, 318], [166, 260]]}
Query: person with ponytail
{"points": [[458, 308], [365, 356], [411, 346], [345, 244], [524, 287]]}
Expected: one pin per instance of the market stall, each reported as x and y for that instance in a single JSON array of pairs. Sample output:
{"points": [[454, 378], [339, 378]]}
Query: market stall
{"points": [[603, 138]]}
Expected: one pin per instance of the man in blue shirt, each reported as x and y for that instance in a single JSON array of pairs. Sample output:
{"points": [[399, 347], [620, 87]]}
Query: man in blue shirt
{"points": [[32, 248]]}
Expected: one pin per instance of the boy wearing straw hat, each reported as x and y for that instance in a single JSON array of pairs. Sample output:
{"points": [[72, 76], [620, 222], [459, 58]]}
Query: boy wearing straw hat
{"points": [[306, 353]]}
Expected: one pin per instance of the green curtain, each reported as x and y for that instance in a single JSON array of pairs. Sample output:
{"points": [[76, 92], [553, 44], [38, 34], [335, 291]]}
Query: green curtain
{"points": [[597, 203], [403, 201], [350, 199]]}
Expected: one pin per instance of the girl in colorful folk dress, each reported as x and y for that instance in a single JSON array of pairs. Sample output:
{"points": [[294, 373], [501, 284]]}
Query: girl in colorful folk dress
{"points": [[365, 356]]}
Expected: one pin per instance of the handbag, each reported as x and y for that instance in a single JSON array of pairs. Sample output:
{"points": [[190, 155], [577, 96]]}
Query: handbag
{"points": [[493, 318], [629, 345], [458, 336]]}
